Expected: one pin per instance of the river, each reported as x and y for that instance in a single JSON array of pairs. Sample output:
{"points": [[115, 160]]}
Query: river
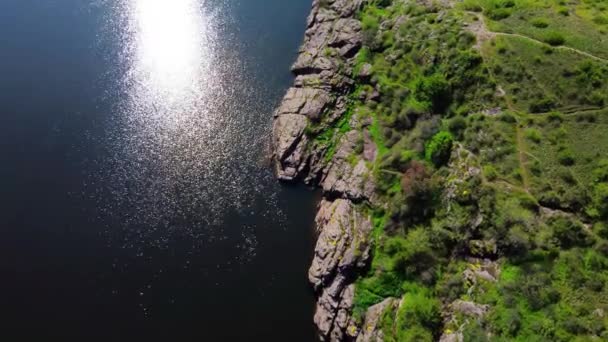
{"points": [[137, 202]]}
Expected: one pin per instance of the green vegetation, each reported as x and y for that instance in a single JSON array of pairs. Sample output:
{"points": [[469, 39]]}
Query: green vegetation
{"points": [[492, 151]]}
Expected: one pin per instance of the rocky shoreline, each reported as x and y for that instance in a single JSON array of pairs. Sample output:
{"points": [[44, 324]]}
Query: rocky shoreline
{"points": [[319, 96]]}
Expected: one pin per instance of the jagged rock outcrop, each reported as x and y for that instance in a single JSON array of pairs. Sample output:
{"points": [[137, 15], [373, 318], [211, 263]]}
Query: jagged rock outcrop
{"points": [[323, 79], [322, 69], [348, 178], [342, 248]]}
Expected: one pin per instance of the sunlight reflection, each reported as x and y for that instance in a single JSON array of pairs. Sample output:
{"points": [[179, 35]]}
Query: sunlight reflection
{"points": [[171, 58], [189, 137], [169, 43]]}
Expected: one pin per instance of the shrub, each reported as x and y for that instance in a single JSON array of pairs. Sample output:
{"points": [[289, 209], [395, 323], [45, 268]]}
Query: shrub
{"points": [[601, 172], [554, 39], [542, 105], [472, 6], [537, 291], [600, 199], [566, 157], [567, 176], [457, 126], [419, 316], [533, 135], [412, 255], [569, 233], [418, 193], [601, 19], [507, 117], [433, 90], [555, 117], [490, 172], [540, 22], [601, 229], [596, 98], [564, 11], [438, 150], [498, 13]]}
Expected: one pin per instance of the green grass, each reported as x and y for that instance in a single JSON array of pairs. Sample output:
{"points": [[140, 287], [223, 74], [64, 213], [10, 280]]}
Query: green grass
{"points": [[584, 27], [583, 135], [538, 81]]}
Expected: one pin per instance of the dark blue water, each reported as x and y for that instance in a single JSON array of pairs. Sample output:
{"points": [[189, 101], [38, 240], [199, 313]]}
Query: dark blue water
{"points": [[136, 199]]}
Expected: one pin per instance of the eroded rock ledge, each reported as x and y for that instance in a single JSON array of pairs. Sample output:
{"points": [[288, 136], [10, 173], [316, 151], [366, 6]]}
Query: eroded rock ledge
{"points": [[323, 81], [322, 71]]}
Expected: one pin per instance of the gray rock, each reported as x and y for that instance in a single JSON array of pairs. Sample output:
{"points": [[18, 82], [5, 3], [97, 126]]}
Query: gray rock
{"points": [[452, 337], [370, 331], [342, 178], [323, 72], [365, 71], [370, 151], [319, 72], [342, 245], [304, 101], [342, 248], [289, 142], [469, 308]]}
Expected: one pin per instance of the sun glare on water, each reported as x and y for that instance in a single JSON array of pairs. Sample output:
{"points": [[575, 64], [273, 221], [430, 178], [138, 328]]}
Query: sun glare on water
{"points": [[170, 42], [186, 142]]}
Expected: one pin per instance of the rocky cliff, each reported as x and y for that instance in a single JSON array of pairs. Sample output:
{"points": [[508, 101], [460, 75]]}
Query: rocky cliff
{"points": [[319, 96]]}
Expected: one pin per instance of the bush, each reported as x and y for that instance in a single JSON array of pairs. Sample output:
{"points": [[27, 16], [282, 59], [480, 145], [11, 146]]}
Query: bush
{"points": [[554, 39], [498, 13], [600, 199], [418, 191], [569, 233], [555, 117], [601, 229], [566, 157], [457, 126], [537, 291], [412, 255], [419, 316], [533, 135], [601, 172], [439, 149], [472, 6], [540, 22], [490, 172], [433, 90], [542, 105]]}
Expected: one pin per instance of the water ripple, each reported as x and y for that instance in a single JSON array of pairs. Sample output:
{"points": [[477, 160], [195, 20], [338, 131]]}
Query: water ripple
{"points": [[188, 141]]}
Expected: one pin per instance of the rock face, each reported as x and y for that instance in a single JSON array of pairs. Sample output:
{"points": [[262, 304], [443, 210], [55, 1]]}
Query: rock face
{"points": [[323, 71], [343, 177], [342, 248]]}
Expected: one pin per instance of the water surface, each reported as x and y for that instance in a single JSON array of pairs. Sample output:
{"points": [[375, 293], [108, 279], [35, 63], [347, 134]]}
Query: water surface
{"points": [[136, 198]]}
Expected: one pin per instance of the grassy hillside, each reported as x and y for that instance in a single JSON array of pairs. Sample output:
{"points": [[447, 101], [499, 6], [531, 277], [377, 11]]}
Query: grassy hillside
{"points": [[490, 121]]}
